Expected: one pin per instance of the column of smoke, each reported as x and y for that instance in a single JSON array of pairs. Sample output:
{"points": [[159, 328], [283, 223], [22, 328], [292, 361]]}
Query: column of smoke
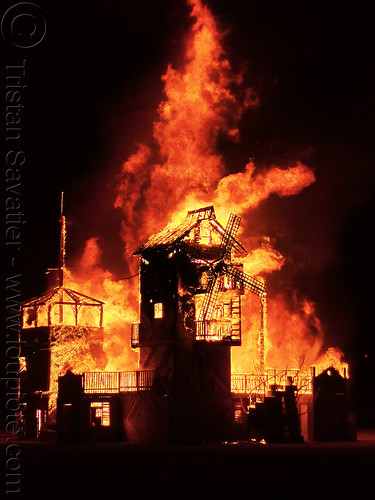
{"points": [[202, 101]]}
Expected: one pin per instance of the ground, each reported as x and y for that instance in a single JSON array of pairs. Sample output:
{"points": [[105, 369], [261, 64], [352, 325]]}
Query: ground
{"points": [[122, 471]]}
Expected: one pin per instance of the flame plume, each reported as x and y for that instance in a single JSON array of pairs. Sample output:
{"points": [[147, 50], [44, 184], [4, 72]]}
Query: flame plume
{"points": [[203, 101]]}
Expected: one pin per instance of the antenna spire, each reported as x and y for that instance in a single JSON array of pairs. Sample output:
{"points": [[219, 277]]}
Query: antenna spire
{"points": [[62, 241]]}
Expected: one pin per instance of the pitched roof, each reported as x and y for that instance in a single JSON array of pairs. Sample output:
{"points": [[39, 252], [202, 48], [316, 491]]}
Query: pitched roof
{"points": [[172, 233], [60, 294]]}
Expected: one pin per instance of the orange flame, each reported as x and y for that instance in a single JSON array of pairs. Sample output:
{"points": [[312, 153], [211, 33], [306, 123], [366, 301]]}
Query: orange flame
{"points": [[202, 101], [120, 308], [199, 106], [332, 358]]}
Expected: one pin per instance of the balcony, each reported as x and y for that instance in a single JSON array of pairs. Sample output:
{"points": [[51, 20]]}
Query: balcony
{"points": [[260, 384], [214, 331], [117, 382]]}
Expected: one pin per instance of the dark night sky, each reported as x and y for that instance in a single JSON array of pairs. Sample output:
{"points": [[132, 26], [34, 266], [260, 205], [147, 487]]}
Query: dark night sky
{"points": [[93, 86]]}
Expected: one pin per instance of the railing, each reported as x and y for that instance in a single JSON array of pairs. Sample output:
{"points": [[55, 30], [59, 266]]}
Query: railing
{"points": [[280, 378], [116, 382], [260, 384], [217, 330], [249, 384]]}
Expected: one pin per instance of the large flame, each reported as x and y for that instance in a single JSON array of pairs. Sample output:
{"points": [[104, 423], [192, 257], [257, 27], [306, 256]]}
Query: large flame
{"points": [[120, 309], [200, 106], [204, 101]]}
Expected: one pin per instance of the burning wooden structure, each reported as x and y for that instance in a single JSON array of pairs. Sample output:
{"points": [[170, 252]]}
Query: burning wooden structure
{"points": [[59, 328], [190, 316], [184, 390]]}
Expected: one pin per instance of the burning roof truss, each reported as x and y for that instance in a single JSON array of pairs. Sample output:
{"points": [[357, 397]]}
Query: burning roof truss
{"points": [[39, 311], [172, 234], [70, 305]]}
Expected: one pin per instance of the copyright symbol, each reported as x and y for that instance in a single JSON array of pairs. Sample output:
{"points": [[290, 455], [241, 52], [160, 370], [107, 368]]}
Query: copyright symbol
{"points": [[23, 25]]}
